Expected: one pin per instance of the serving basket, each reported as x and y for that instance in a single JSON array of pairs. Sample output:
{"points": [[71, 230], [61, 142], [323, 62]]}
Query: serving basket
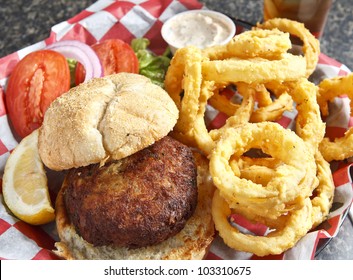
{"points": [[126, 20]]}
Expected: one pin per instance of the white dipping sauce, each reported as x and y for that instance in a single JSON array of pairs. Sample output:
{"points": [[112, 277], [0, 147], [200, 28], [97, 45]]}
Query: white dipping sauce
{"points": [[197, 29]]}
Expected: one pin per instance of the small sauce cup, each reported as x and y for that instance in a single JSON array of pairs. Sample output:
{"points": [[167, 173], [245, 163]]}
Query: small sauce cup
{"points": [[199, 28]]}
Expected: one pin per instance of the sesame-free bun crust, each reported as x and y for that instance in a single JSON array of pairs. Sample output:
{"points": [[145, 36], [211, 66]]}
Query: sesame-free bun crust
{"points": [[192, 242], [110, 117]]}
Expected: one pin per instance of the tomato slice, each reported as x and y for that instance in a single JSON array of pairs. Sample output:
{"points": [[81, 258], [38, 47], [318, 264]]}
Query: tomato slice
{"points": [[115, 56], [38, 79]]}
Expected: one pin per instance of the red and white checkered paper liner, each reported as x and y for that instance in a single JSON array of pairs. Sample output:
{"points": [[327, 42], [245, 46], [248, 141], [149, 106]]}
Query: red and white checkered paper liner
{"points": [[137, 18]]}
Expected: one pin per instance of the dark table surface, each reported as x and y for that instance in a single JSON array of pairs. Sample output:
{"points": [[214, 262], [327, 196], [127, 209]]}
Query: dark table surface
{"points": [[24, 23]]}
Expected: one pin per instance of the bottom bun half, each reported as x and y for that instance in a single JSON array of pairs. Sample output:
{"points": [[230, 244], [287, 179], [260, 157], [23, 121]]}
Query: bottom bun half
{"points": [[191, 243]]}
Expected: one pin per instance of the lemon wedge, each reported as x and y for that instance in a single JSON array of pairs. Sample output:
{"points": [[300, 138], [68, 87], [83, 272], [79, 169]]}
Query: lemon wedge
{"points": [[25, 184]]}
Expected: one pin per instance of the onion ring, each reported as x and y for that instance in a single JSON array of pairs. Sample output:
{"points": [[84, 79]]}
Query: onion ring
{"points": [[183, 83], [323, 194], [261, 170], [286, 232], [273, 111], [263, 96], [334, 87], [205, 140], [311, 45], [223, 104], [292, 177], [309, 125], [340, 148], [296, 226], [268, 44], [258, 170], [254, 70], [267, 110]]}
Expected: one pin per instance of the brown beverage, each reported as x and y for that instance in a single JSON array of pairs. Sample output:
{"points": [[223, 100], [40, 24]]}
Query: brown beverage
{"points": [[313, 13]]}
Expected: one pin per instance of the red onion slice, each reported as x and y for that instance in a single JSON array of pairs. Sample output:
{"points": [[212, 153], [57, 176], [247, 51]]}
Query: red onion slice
{"points": [[81, 52]]}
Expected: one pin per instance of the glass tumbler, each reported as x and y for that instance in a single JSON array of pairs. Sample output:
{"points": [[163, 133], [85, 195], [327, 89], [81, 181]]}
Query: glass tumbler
{"points": [[313, 13]]}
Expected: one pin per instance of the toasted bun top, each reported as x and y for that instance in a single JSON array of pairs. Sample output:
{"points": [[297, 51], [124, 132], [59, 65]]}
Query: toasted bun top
{"points": [[192, 242], [110, 117]]}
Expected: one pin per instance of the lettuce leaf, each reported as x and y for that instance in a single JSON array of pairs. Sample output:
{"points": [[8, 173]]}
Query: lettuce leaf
{"points": [[151, 65]]}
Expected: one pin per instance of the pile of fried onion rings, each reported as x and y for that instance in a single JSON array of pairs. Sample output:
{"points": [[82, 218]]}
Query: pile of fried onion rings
{"points": [[264, 172]]}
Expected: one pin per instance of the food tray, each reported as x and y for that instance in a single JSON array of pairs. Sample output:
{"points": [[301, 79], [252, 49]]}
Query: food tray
{"points": [[126, 20]]}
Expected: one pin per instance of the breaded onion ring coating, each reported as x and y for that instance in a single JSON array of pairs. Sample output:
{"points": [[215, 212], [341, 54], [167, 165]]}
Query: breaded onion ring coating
{"points": [[311, 45], [285, 237], [222, 104], [254, 70], [183, 83], [309, 125], [332, 88], [268, 44], [292, 179], [340, 148], [273, 111], [206, 140], [261, 170], [323, 195], [267, 109]]}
